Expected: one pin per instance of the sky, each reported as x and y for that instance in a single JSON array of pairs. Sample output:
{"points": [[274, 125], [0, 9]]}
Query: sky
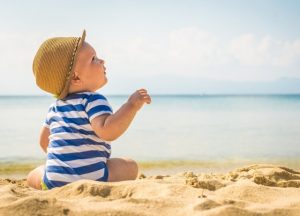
{"points": [[166, 46]]}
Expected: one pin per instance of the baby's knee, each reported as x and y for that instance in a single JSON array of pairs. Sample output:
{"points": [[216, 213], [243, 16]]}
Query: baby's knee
{"points": [[31, 181], [133, 167], [34, 177]]}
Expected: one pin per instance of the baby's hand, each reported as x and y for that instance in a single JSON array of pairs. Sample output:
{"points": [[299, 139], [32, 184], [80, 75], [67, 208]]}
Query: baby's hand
{"points": [[138, 98]]}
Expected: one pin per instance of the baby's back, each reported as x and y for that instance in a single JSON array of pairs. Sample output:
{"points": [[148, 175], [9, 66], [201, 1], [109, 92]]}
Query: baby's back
{"points": [[75, 151]]}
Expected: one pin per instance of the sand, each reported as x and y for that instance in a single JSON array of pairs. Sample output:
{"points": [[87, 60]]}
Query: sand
{"points": [[260, 189]]}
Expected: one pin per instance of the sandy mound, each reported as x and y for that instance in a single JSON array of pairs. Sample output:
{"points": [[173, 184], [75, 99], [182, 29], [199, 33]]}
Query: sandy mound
{"points": [[253, 190]]}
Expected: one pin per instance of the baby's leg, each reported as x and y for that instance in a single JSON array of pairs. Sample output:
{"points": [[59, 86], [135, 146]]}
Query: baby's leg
{"points": [[121, 169], [35, 176]]}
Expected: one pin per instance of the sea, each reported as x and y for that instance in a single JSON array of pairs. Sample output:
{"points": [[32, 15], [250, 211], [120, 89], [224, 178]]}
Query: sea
{"points": [[199, 128]]}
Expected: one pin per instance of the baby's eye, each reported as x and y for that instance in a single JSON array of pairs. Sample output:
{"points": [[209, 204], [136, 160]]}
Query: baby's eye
{"points": [[94, 57]]}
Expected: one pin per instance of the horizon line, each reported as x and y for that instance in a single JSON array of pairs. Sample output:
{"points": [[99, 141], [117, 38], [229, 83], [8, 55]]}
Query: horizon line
{"points": [[169, 94]]}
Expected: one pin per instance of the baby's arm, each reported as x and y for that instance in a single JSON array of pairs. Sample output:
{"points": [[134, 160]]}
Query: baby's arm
{"points": [[44, 138], [110, 127]]}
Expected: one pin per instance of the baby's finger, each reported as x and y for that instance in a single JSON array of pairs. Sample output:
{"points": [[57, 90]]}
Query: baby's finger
{"points": [[142, 90], [147, 99], [143, 93]]}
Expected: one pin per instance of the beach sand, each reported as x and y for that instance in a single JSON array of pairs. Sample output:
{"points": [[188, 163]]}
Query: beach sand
{"points": [[260, 189]]}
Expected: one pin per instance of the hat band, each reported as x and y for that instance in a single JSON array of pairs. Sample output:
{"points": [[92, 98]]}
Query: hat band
{"points": [[70, 67]]}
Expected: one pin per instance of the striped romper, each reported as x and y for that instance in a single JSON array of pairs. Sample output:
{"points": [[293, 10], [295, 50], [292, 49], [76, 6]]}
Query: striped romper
{"points": [[75, 152]]}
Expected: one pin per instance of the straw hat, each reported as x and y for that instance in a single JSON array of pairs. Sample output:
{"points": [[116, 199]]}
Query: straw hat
{"points": [[53, 64]]}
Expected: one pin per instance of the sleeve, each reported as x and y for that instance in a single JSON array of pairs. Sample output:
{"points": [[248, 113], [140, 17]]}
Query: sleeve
{"points": [[97, 105], [46, 122]]}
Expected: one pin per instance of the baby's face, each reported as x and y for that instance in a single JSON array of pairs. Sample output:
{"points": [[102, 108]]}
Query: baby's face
{"points": [[89, 69]]}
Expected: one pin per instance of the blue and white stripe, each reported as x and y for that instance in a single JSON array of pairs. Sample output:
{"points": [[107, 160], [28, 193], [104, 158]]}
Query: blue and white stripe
{"points": [[75, 151]]}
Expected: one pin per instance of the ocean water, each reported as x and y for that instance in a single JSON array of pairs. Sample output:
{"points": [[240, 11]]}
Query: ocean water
{"points": [[183, 127]]}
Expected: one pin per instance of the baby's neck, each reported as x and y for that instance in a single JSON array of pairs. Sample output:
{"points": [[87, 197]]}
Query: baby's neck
{"points": [[76, 89]]}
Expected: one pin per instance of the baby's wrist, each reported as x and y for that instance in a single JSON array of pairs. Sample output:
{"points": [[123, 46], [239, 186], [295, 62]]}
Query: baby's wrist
{"points": [[133, 106]]}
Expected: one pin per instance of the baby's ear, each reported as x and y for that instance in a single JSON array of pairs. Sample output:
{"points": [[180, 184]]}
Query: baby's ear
{"points": [[75, 80]]}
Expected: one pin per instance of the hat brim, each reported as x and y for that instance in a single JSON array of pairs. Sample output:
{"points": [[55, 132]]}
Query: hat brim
{"points": [[65, 90]]}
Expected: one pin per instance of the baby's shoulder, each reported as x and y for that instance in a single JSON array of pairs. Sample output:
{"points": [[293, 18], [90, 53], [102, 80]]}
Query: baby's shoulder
{"points": [[92, 96]]}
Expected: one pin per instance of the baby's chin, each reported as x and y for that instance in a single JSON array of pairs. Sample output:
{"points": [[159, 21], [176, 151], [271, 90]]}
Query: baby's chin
{"points": [[102, 84]]}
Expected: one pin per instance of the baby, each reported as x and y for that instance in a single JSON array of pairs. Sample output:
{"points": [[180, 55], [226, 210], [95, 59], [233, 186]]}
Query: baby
{"points": [[80, 124]]}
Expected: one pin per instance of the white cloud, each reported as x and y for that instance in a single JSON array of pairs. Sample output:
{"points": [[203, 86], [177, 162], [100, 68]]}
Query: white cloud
{"points": [[200, 48], [192, 50], [182, 48], [187, 52], [195, 47], [250, 50]]}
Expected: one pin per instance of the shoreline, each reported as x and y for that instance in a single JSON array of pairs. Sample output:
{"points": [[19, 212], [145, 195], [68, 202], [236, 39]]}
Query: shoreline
{"points": [[18, 169]]}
